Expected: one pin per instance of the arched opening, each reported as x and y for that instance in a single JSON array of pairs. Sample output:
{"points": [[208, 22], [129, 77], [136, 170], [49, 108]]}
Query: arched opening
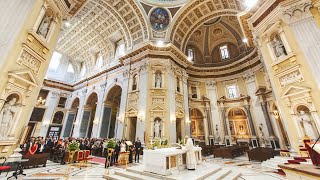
{"points": [[238, 124], [111, 113], [306, 123], [197, 125], [157, 128], [88, 116], [72, 116]]}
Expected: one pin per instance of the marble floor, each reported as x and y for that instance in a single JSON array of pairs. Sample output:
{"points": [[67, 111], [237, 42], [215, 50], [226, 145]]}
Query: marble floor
{"points": [[246, 170]]}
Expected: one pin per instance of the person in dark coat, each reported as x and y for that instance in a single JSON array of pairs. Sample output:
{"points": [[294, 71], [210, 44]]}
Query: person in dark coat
{"points": [[116, 152], [137, 146]]}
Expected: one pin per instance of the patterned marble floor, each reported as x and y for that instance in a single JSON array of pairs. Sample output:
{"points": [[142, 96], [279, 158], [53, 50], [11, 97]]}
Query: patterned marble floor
{"points": [[53, 171]]}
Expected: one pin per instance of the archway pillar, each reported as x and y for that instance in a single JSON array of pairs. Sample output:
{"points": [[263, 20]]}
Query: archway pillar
{"points": [[76, 131], [51, 104], [98, 115]]}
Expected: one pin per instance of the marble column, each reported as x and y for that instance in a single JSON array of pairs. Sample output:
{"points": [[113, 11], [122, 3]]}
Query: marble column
{"points": [[186, 104], [212, 95], [267, 118], [224, 121], [77, 124], [307, 33], [51, 103], [257, 113], [143, 97], [122, 111], [172, 106], [97, 117], [251, 124]]}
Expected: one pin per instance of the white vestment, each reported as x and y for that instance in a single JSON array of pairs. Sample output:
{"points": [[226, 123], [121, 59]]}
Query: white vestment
{"points": [[191, 157]]}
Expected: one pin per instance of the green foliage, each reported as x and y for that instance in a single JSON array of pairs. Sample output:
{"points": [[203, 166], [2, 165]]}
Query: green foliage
{"points": [[73, 146], [111, 144]]}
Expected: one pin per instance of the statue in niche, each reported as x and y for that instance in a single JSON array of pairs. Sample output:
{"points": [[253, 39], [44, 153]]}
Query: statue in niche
{"points": [[44, 26], [278, 47], [134, 83], [7, 117], [158, 80], [217, 134], [261, 135], [306, 124], [157, 127]]}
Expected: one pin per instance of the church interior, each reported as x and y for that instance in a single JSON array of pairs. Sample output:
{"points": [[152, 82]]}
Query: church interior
{"points": [[194, 89]]}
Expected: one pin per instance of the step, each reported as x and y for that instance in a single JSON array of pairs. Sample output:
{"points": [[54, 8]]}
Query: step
{"points": [[134, 176], [234, 175], [115, 177], [214, 171], [219, 175], [157, 176]]}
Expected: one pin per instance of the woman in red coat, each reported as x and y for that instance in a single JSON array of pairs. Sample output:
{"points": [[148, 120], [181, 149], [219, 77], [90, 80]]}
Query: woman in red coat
{"points": [[33, 149]]}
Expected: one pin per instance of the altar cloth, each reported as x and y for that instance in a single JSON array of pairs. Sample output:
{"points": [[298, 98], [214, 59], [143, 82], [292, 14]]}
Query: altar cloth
{"points": [[163, 161]]}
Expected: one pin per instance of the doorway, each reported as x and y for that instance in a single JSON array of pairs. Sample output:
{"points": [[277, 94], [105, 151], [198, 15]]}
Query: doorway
{"points": [[178, 130], [132, 128]]}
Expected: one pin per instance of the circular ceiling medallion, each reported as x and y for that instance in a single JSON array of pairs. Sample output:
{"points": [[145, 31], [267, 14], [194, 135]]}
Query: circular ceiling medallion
{"points": [[159, 19], [166, 3]]}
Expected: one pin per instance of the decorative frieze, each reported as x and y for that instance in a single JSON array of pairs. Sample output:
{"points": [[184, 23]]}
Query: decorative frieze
{"points": [[290, 76], [30, 59], [158, 100], [297, 11]]}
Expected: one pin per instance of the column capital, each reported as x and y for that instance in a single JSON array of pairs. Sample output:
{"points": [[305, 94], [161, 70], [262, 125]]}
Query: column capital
{"points": [[249, 76], [211, 84], [297, 11]]}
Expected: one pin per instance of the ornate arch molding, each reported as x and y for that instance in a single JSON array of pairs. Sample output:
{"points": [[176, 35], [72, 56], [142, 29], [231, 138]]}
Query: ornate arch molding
{"points": [[195, 14]]}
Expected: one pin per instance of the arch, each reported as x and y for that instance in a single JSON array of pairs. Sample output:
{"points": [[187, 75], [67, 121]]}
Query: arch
{"points": [[238, 123], [92, 99], [184, 26], [301, 107], [197, 126], [75, 103], [57, 117], [111, 112]]}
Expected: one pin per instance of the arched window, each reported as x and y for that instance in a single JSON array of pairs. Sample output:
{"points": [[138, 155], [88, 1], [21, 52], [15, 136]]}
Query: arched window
{"points": [[190, 53], [55, 61], [70, 68], [99, 62], [158, 80], [134, 82], [224, 52], [83, 70]]}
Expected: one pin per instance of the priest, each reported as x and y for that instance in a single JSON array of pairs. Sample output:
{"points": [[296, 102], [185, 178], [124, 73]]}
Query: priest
{"points": [[191, 157]]}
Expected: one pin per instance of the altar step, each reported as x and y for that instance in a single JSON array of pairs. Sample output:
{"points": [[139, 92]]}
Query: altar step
{"points": [[216, 173]]}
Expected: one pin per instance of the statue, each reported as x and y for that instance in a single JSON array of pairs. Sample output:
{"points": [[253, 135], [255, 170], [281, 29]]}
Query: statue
{"points": [[6, 117], [44, 26], [158, 79], [261, 135], [306, 124], [278, 47], [217, 134], [157, 125], [191, 156]]}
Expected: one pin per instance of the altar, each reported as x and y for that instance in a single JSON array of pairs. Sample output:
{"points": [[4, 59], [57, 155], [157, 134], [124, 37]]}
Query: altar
{"points": [[164, 161]]}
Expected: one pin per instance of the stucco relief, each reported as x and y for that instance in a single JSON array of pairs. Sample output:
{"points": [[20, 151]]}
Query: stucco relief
{"points": [[291, 77], [27, 59]]}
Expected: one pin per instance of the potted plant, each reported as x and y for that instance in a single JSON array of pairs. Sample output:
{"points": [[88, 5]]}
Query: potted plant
{"points": [[73, 146], [111, 144]]}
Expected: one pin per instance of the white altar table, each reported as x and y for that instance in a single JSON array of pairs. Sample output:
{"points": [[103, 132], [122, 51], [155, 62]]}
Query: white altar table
{"points": [[163, 161]]}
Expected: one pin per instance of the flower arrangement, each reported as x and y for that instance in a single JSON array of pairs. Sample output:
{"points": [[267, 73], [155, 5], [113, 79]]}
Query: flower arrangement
{"points": [[73, 146], [111, 144], [156, 144]]}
